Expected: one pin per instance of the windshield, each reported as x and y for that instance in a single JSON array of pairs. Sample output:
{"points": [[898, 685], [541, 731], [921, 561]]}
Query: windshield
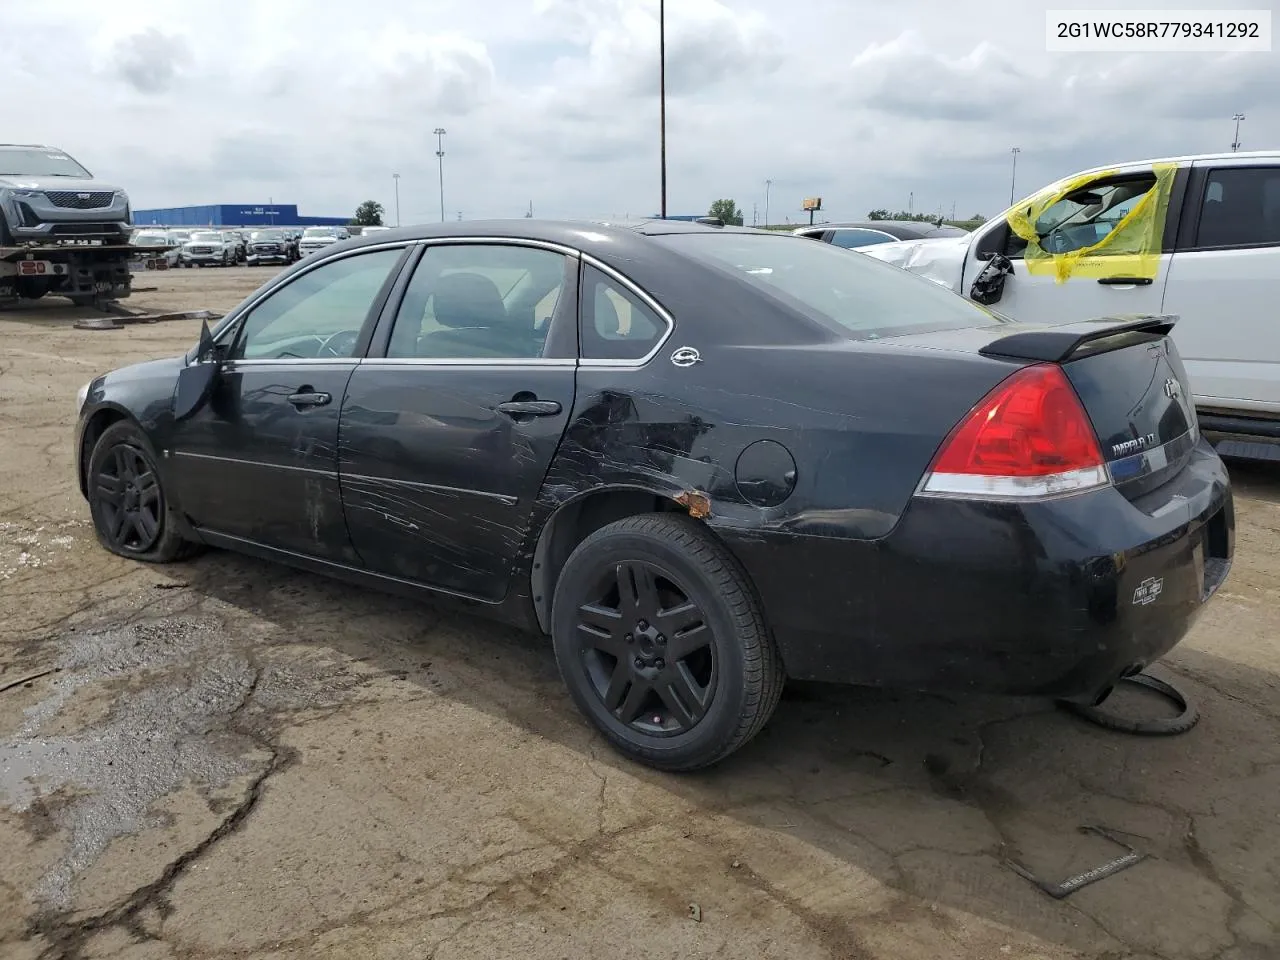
{"points": [[206, 236], [150, 240], [266, 235], [317, 232], [39, 162], [860, 296], [180, 234]]}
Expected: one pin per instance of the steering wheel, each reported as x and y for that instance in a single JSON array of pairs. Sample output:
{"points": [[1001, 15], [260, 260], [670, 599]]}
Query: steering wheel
{"points": [[340, 344]]}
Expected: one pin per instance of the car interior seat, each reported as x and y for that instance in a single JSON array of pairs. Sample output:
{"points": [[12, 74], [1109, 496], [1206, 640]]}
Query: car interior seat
{"points": [[473, 319]]}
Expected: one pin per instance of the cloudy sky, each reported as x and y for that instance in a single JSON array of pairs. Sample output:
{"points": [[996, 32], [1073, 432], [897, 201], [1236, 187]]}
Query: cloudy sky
{"points": [[555, 102]]}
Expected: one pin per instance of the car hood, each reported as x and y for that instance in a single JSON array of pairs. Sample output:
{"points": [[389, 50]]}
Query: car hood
{"points": [[56, 183], [940, 259], [319, 239]]}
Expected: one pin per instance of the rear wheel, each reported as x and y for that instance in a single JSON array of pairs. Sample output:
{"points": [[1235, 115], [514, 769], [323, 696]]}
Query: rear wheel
{"points": [[131, 515], [662, 644]]}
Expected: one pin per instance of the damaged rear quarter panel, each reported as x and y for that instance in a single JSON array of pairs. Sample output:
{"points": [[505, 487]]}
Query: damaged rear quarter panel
{"points": [[859, 437]]}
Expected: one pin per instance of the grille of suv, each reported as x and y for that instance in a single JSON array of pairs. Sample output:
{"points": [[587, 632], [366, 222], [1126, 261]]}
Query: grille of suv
{"points": [[79, 200]]}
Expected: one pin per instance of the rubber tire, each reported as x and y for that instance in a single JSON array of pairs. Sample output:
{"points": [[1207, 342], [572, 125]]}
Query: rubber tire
{"points": [[171, 545], [751, 673], [1170, 727]]}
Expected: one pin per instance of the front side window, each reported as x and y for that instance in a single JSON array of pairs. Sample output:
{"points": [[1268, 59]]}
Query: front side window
{"points": [[1088, 216], [475, 301], [318, 315], [851, 238], [860, 297], [1241, 208], [616, 324]]}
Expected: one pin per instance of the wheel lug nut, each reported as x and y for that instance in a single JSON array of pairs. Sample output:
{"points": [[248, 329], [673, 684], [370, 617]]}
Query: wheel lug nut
{"points": [[660, 664], [630, 638], [639, 662], [662, 641], [642, 625]]}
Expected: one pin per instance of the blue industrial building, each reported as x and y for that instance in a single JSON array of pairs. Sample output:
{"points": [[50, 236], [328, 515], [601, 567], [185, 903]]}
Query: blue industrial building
{"points": [[233, 215]]}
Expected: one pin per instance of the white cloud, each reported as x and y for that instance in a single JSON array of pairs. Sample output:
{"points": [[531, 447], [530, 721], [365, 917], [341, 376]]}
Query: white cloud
{"points": [[318, 102]]}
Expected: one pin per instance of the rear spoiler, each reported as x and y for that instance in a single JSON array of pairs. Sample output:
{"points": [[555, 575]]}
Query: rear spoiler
{"points": [[1057, 344]]}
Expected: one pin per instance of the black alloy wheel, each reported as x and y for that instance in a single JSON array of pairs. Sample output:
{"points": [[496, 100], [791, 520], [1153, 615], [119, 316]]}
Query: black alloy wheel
{"points": [[131, 515], [128, 494], [662, 643], [647, 649]]}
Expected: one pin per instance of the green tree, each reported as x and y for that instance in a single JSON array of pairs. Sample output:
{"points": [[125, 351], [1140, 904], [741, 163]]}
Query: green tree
{"points": [[727, 211], [977, 218], [368, 214], [880, 213]]}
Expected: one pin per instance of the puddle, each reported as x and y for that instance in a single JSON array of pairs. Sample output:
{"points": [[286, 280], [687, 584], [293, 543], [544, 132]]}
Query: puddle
{"points": [[155, 739]]}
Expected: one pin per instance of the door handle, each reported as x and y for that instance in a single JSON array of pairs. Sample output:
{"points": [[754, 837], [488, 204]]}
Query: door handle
{"points": [[529, 408], [1125, 281], [309, 398]]}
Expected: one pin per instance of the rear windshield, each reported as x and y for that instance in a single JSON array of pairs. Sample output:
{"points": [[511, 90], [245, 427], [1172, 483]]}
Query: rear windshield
{"points": [[859, 296]]}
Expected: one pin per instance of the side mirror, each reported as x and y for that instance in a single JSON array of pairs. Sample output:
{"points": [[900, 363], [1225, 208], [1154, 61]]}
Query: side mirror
{"points": [[196, 379], [988, 285]]}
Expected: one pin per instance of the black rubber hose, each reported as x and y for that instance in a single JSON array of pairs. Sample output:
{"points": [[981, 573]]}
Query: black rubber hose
{"points": [[1169, 727]]}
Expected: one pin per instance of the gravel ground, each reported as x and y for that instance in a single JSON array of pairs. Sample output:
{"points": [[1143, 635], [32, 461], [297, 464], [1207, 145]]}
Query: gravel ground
{"points": [[224, 758]]}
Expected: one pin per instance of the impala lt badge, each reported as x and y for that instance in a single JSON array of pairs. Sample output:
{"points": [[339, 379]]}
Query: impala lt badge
{"points": [[1145, 442]]}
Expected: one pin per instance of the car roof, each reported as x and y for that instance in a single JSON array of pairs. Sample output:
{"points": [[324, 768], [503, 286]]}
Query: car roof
{"points": [[595, 236], [1189, 158]]}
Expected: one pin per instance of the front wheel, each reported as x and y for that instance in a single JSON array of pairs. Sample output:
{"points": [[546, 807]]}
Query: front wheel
{"points": [[662, 643], [131, 514]]}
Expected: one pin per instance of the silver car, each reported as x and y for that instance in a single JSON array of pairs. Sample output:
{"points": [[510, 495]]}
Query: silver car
{"points": [[46, 196], [208, 248]]}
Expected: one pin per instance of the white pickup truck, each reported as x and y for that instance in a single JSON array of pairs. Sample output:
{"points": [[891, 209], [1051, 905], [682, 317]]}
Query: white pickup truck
{"points": [[1196, 237]]}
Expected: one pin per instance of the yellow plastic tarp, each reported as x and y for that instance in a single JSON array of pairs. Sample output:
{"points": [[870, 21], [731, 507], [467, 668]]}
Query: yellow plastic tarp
{"points": [[1132, 249]]}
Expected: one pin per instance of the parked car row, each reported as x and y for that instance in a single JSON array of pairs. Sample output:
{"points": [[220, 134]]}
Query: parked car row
{"points": [[223, 247]]}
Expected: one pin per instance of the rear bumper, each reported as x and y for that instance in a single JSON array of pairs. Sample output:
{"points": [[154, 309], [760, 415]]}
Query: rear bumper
{"points": [[1059, 598]]}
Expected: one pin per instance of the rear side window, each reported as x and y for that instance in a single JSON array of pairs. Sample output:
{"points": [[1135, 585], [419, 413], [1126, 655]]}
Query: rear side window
{"points": [[1241, 208], [616, 324], [859, 238], [860, 297], [479, 301]]}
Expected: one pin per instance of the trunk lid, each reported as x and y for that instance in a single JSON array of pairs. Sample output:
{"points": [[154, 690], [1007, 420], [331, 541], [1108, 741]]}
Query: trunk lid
{"points": [[1128, 376]]}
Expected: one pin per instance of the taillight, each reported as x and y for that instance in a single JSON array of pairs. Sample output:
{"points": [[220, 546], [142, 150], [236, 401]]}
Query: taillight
{"points": [[1028, 438]]}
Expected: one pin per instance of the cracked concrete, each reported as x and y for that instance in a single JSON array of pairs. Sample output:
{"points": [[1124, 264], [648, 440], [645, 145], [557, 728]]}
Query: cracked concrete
{"points": [[223, 759]]}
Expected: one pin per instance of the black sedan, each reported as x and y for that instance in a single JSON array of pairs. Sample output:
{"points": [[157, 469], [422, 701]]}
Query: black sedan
{"points": [[854, 235], [701, 459]]}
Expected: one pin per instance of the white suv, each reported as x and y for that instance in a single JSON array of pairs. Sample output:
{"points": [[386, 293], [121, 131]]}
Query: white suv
{"points": [[1214, 263]]}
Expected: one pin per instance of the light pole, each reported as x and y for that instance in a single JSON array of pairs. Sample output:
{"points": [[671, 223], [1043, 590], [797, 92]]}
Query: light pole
{"points": [[1235, 144], [439, 132], [662, 96], [1013, 177], [767, 185], [396, 178]]}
